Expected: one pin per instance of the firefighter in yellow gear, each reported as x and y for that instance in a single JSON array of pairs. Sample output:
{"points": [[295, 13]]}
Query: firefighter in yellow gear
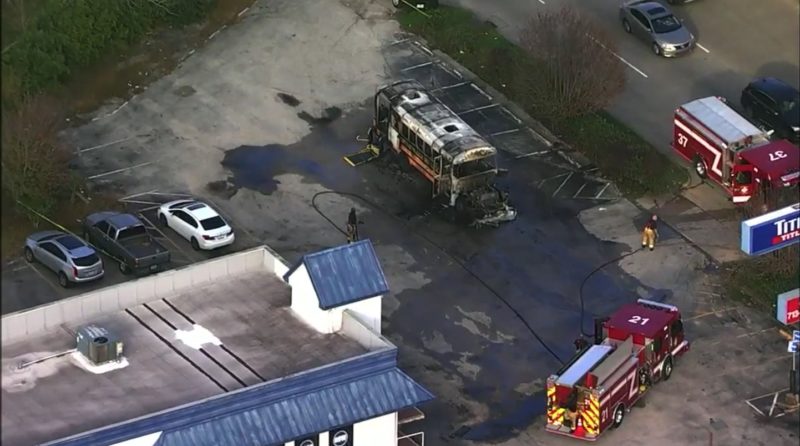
{"points": [[650, 233], [572, 409]]}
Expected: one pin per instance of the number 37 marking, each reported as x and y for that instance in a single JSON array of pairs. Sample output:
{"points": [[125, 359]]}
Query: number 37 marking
{"points": [[638, 320], [777, 155]]}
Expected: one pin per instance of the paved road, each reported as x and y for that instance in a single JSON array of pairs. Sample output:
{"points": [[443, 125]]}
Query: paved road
{"points": [[743, 39]]}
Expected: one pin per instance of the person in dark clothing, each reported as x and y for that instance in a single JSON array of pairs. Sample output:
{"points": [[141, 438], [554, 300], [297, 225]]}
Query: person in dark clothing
{"points": [[352, 226], [572, 408], [650, 232]]}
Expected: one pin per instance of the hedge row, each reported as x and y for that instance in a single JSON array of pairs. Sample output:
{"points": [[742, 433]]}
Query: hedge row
{"points": [[67, 34]]}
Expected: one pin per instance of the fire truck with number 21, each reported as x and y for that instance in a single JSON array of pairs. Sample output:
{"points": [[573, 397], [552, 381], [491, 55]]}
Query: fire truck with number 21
{"points": [[633, 349]]}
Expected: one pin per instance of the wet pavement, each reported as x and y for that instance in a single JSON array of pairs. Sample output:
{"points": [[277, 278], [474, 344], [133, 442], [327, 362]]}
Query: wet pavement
{"points": [[481, 316]]}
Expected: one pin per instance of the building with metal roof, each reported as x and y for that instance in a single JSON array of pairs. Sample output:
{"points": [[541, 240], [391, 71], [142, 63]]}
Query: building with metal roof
{"points": [[216, 353]]}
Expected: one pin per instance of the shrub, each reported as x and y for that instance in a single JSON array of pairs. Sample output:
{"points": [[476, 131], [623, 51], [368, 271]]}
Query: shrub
{"points": [[67, 34], [34, 161], [580, 75]]}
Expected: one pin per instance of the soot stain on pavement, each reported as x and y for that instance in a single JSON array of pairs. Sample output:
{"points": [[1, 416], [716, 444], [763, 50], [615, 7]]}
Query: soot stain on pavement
{"points": [[329, 115], [288, 99]]}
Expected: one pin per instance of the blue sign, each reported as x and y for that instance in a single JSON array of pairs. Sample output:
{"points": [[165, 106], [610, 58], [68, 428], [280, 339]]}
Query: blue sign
{"points": [[792, 347], [771, 231], [796, 335]]}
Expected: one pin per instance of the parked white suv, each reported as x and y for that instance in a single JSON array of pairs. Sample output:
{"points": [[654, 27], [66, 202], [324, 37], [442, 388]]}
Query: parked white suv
{"points": [[197, 222]]}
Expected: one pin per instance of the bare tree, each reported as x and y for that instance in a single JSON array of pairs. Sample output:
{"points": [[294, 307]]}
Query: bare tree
{"points": [[581, 73], [34, 162]]}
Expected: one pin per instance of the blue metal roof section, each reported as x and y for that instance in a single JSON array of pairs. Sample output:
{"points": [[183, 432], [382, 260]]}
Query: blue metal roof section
{"points": [[345, 274], [278, 411]]}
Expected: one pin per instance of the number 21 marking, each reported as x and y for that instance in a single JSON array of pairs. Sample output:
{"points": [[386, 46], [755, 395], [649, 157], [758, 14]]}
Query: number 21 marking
{"points": [[638, 320]]}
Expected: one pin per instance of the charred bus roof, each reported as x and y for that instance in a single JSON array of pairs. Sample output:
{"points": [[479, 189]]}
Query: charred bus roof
{"points": [[436, 123]]}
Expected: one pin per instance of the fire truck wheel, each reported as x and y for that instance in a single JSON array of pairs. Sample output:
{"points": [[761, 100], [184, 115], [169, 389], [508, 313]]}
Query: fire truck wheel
{"points": [[619, 415], [667, 370], [700, 167]]}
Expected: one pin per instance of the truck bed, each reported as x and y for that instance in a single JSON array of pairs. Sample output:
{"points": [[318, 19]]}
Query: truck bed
{"points": [[145, 249]]}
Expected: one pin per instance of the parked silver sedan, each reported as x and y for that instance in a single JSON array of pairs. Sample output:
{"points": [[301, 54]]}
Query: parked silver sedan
{"points": [[66, 255], [655, 24]]}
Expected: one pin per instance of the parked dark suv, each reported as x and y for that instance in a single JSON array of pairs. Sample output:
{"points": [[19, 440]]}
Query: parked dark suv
{"points": [[774, 105]]}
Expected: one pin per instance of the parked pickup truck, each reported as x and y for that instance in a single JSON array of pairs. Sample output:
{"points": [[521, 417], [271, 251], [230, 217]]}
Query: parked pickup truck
{"points": [[125, 238]]}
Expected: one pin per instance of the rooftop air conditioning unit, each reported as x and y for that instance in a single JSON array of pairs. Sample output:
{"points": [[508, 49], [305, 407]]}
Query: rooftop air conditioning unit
{"points": [[99, 345]]}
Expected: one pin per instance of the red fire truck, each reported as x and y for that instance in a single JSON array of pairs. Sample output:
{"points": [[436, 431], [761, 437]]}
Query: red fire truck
{"points": [[633, 349], [726, 148]]}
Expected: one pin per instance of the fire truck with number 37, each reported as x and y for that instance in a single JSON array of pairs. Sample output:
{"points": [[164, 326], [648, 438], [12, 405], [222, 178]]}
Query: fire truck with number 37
{"points": [[726, 148], [633, 349]]}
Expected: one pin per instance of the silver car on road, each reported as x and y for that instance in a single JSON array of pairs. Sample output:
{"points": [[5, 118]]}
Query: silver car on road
{"points": [[655, 24], [66, 255]]}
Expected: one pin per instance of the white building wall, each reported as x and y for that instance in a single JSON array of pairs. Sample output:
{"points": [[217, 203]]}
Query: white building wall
{"points": [[380, 431], [305, 304]]}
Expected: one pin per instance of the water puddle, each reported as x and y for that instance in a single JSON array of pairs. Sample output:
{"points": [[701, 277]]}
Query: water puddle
{"points": [[506, 427], [255, 168], [125, 74]]}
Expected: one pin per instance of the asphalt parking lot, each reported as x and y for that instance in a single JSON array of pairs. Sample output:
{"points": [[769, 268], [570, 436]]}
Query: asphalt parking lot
{"points": [[261, 140], [27, 285]]}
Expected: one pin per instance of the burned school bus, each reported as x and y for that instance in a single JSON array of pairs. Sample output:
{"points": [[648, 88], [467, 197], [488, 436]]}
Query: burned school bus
{"points": [[459, 163]]}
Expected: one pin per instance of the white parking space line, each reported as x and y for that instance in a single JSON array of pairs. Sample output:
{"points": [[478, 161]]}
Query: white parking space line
{"points": [[139, 194], [112, 172], [414, 67], [483, 107], [542, 2], [156, 229], [150, 203], [100, 146], [170, 194], [622, 59], [563, 183], [703, 48], [460, 84], [528, 155], [49, 282]]}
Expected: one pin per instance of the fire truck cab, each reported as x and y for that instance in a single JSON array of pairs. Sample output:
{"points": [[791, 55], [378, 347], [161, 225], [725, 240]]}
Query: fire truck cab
{"points": [[726, 148], [634, 348]]}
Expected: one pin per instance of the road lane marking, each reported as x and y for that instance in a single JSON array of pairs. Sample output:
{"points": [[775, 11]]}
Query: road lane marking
{"points": [[703, 48], [542, 2], [622, 59]]}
